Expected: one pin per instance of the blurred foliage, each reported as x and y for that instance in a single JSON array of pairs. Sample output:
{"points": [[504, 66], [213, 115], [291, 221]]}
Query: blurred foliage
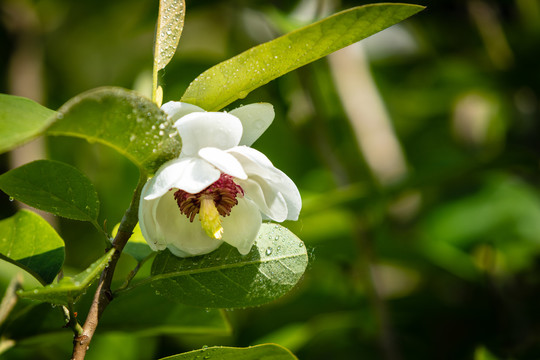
{"points": [[442, 264]]}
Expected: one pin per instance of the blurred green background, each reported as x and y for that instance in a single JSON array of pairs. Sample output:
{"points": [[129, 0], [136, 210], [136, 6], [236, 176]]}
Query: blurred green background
{"points": [[416, 154]]}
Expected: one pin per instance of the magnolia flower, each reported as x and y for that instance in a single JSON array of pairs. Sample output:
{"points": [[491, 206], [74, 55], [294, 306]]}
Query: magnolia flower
{"points": [[219, 189]]}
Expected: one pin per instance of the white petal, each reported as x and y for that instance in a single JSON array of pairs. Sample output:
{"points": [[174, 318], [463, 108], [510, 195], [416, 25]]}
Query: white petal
{"points": [[252, 155], [189, 174], [183, 238], [148, 221], [241, 227], [177, 109], [270, 202], [255, 118], [208, 129], [260, 169], [223, 161]]}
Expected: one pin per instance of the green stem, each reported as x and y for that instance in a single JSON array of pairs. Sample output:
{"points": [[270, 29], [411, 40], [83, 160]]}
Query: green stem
{"points": [[103, 295], [71, 321], [125, 289], [125, 286], [107, 238]]}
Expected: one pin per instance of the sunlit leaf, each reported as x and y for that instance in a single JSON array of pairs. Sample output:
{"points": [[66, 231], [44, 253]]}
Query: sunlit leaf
{"points": [[234, 78], [29, 242], [169, 29], [53, 186], [69, 289], [21, 120], [226, 279], [258, 352], [128, 122]]}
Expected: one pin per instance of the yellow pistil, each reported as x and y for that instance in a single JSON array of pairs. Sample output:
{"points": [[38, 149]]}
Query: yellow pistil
{"points": [[209, 216]]}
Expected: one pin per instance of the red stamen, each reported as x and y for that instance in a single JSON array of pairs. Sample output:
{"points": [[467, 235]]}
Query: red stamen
{"points": [[224, 192]]}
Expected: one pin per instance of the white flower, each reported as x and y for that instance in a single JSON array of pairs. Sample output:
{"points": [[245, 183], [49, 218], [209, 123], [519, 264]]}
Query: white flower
{"points": [[219, 189]]}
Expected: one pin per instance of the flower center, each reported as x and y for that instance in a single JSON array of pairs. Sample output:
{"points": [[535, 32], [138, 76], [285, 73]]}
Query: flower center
{"points": [[213, 201]]}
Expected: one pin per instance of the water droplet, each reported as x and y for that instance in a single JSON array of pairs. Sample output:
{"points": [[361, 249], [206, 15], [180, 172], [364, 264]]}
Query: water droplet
{"points": [[269, 251], [132, 137], [60, 116], [301, 244], [158, 293], [204, 347], [11, 198], [35, 291]]}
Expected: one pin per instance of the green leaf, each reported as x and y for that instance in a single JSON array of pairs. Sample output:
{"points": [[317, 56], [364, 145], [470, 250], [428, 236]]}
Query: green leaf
{"points": [[226, 279], [69, 289], [53, 186], [168, 31], [21, 120], [258, 352], [234, 78], [169, 28], [136, 246], [29, 242], [157, 315], [131, 124]]}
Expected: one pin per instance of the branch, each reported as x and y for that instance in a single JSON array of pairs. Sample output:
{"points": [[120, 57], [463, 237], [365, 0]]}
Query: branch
{"points": [[103, 295]]}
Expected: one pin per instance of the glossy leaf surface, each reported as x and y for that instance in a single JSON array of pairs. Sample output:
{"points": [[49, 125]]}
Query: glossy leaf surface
{"points": [[169, 29], [124, 120], [21, 120], [28, 241], [226, 279], [53, 186], [259, 352], [69, 289], [234, 78]]}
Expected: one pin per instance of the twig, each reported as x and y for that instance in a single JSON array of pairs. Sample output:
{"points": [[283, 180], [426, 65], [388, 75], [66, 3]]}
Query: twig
{"points": [[103, 295], [71, 321], [131, 275]]}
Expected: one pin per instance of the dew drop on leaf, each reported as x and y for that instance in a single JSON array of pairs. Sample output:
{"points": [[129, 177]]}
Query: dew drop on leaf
{"points": [[269, 251]]}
